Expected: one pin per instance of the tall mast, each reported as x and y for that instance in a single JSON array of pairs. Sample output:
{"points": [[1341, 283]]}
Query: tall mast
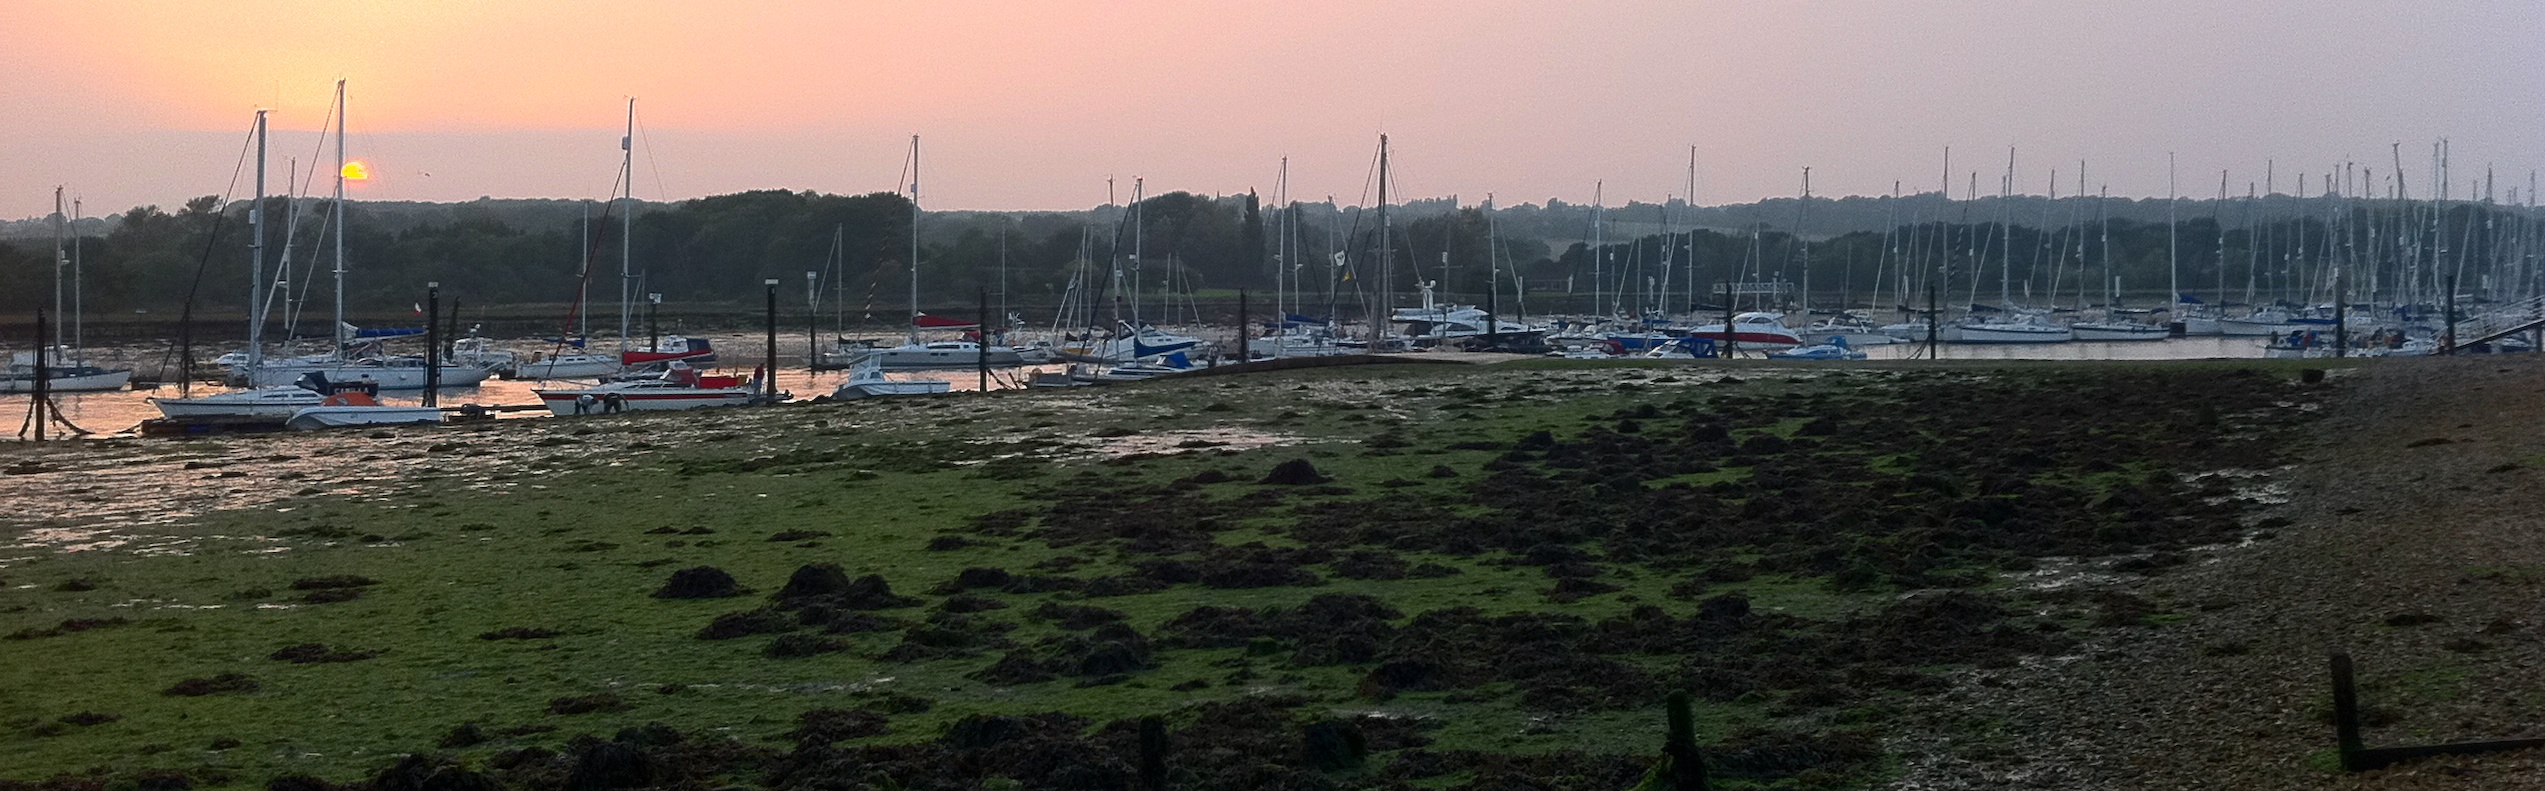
{"points": [[1599, 276], [256, 257], [338, 219], [1802, 212], [60, 263], [1139, 235], [1692, 229], [1281, 256], [914, 241], [1387, 286], [2173, 264], [627, 222], [79, 312]]}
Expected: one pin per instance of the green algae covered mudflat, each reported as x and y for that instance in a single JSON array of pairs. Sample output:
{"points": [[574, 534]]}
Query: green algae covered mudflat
{"points": [[1478, 574]]}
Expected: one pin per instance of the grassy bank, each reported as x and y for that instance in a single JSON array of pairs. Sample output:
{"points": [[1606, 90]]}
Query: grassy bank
{"points": [[1417, 576]]}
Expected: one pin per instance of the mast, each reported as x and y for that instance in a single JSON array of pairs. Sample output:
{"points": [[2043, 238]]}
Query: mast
{"points": [[627, 222], [256, 257], [2173, 248], [1387, 286], [913, 321], [1281, 256], [60, 263], [1139, 235], [80, 337], [1802, 212], [337, 218]]}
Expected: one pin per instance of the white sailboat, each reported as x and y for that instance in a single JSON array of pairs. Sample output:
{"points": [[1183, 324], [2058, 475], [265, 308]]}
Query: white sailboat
{"points": [[914, 354], [66, 368], [389, 372], [266, 402]]}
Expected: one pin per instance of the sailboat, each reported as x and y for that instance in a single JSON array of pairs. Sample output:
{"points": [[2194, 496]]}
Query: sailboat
{"points": [[2113, 327], [581, 363], [264, 402], [914, 354], [66, 369], [390, 373]]}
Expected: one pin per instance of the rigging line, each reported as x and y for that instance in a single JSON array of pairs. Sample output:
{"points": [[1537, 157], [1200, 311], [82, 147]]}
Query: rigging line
{"points": [[651, 163], [220, 218]]}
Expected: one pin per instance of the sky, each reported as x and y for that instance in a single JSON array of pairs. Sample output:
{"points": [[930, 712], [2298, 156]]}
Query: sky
{"points": [[1039, 104]]}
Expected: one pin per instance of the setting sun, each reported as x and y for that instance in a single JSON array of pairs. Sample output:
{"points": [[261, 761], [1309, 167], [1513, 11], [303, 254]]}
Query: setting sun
{"points": [[357, 170]]}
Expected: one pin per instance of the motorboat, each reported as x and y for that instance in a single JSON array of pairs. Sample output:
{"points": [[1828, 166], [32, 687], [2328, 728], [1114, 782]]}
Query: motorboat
{"points": [[1855, 333], [1755, 329], [1835, 349], [867, 381], [680, 387]]}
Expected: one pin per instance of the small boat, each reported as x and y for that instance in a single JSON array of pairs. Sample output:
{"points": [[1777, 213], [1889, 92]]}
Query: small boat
{"points": [[1835, 349], [360, 408], [569, 366], [943, 355], [1854, 332], [2025, 329], [679, 388], [274, 403], [868, 381], [64, 373], [1755, 329], [2119, 331]]}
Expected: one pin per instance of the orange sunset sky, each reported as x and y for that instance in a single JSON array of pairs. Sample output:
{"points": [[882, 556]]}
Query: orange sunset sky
{"points": [[1033, 105]]}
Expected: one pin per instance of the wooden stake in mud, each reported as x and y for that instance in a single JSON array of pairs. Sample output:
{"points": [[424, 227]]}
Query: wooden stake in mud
{"points": [[769, 379], [43, 397], [2448, 345], [981, 357], [1687, 767], [432, 343], [1243, 330], [1731, 300], [2341, 319]]}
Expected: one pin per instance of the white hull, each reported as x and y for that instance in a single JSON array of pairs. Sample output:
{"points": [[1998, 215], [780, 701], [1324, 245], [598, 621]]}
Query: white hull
{"points": [[2033, 331], [563, 403], [84, 383], [939, 356], [572, 366], [2119, 332], [389, 377], [890, 388], [320, 417], [273, 402], [2201, 326], [2250, 327]]}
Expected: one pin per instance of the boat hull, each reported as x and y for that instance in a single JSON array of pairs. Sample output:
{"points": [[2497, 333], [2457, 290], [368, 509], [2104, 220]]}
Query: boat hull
{"points": [[275, 403], [2119, 332], [392, 377], [78, 383], [563, 403], [888, 389], [1987, 334], [325, 417]]}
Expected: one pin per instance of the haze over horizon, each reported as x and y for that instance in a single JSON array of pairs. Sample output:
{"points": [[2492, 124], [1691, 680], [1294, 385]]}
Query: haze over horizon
{"points": [[1035, 105]]}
